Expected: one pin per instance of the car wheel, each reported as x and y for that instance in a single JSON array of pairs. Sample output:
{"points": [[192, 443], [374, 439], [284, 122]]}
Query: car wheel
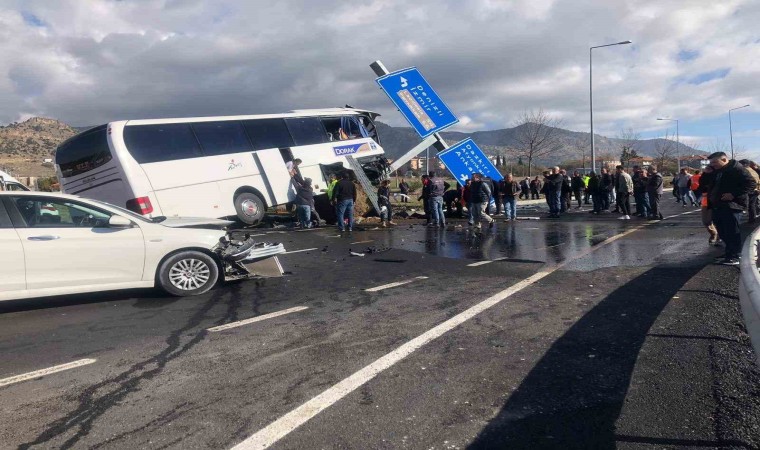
{"points": [[250, 208], [188, 273]]}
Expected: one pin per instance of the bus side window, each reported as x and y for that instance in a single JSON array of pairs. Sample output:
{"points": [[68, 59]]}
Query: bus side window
{"points": [[268, 133], [307, 130], [165, 142]]}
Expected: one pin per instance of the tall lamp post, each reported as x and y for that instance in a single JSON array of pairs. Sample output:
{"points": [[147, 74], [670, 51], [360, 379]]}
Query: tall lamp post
{"points": [[731, 128], [591, 97], [678, 144]]}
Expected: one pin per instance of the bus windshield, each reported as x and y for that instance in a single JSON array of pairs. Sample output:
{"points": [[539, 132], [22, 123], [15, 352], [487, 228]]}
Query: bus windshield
{"points": [[83, 152]]}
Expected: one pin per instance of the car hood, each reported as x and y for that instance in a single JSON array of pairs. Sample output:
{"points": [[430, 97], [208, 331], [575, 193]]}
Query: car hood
{"points": [[196, 222]]}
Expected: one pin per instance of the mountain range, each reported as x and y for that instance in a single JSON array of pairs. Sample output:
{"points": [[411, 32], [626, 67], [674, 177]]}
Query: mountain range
{"points": [[398, 140]]}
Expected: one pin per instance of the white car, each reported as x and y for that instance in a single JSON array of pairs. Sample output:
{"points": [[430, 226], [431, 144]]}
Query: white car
{"points": [[88, 246], [8, 183]]}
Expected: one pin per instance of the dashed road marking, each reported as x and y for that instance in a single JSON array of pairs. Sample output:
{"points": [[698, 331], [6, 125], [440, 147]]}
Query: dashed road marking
{"points": [[392, 285], [299, 251], [48, 371], [240, 323], [283, 426], [481, 263], [363, 242]]}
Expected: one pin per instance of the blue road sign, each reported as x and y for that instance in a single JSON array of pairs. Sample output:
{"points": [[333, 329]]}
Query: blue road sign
{"points": [[417, 101], [465, 158]]}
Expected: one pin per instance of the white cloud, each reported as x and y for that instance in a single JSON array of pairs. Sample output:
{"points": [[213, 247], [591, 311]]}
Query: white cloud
{"points": [[91, 61]]}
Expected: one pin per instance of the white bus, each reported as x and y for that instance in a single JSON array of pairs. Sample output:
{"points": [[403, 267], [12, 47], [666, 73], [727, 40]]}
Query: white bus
{"points": [[215, 166]]}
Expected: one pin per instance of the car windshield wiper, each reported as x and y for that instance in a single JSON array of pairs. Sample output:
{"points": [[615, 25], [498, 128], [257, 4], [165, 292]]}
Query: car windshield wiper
{"points": [[158, 219]]}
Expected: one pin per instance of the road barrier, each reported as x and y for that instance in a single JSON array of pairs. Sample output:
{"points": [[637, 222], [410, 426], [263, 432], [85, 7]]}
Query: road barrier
{"points": [[749, 289]]}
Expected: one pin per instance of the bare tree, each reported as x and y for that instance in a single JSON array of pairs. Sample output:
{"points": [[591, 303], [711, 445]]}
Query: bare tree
{"points": [[580, 147], [665, 151], [537, 135], [629, 145]]}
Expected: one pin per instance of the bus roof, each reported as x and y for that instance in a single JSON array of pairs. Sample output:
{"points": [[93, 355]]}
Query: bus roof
{"points": [[295, 113]]}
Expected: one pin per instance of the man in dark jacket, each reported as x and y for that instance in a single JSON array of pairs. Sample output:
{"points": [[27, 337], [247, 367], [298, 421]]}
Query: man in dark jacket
{"points": [[553, 187], [640, 192], [605, 188], [654, 191], [525, 189], [565, 198], [535, 188], [481, 195], [345, 196], [403, 187], [425, 197], [728, 196], [509, 190], [594, 188], [436, 188], [578, 186], [304, 200]]}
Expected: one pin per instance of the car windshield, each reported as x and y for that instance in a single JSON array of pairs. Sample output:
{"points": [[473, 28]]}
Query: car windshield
{"points": [[124, 211]]}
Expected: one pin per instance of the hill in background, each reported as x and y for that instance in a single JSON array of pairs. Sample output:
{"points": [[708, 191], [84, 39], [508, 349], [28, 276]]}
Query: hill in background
{"points": [[398, 140]]}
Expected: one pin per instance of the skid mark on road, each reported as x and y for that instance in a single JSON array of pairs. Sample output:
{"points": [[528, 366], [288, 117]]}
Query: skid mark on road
{"points": [[100, 398], [302, 250]]}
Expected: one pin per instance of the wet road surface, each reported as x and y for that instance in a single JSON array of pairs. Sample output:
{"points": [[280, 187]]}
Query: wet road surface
{"points": [[629, 337]]}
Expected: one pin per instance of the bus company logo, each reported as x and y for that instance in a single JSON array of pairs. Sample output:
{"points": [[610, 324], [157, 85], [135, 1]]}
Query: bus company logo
{"points": [[372, 146], [346, 149], [233, 165]]}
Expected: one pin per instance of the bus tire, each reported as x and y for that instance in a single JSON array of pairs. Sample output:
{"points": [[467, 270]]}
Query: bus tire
{"points": [[188, 273], [250, 208]]}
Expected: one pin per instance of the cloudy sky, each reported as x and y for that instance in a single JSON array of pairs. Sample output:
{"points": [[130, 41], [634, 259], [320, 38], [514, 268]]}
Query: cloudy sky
{"points": [[91, 61]]}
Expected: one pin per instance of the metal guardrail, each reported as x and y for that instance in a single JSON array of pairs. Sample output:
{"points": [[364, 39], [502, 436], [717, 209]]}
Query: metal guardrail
{"points": [[749, 289]]}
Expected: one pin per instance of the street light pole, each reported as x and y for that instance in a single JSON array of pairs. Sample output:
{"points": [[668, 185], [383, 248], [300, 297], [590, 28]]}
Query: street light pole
{"points": [[678, 143], [591, 97], [731, 128]]}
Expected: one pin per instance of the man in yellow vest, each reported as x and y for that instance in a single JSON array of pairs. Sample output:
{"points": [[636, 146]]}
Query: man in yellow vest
{"points": [[330, 186]]}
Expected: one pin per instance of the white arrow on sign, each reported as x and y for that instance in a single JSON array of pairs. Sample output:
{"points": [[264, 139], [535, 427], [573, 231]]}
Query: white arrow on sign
{"points": [[464, 178], [404, 83]]}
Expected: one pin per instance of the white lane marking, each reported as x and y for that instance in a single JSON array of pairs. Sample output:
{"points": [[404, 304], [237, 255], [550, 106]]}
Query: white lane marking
{"points": [[48, 371], [308, 229], [392, 285], [363, 242], [240, 323], [480, 263], [299, 251], [281, 427], [254, 235]]}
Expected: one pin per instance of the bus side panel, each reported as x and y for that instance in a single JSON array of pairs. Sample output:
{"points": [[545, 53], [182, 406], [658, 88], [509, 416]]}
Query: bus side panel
{"points": [[189, 187]]}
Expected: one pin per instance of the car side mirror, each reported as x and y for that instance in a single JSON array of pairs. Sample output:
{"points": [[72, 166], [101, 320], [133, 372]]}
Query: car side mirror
{"points": [[119, 222]]}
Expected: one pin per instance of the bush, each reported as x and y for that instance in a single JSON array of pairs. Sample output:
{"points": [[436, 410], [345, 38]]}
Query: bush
{"points": [[48, 184], [414, 185]]}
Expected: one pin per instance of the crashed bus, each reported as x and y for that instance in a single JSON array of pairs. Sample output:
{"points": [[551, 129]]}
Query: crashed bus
{"points": [[218, 167]]}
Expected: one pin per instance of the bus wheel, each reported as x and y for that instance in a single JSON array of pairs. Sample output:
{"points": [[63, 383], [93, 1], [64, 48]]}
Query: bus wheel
{"points": [[250, 208]]}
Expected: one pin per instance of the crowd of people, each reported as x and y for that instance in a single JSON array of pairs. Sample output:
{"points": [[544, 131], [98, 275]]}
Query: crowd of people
{"points": [[724, 191]]}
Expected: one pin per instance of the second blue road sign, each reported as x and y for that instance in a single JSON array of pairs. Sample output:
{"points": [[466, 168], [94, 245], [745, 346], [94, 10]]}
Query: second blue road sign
{"points": [[417, 101], [465, 158]]}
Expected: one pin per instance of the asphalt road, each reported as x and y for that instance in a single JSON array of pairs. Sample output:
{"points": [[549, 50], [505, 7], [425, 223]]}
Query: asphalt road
{"points": [[623, 336]]}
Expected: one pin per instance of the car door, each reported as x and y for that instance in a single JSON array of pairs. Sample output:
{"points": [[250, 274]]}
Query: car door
{"points": [[69, 243], [13, 276]]}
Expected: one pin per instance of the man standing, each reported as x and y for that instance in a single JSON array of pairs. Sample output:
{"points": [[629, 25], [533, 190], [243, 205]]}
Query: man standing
{"points": [[566, 191], [481, 194], [425, 197], [654, 191], [752, 203], [624, 188], [403, 187], [535, 188], [694, 186], [727, 198], [578, 185], [705, 183], [384, 201], [684, 190], [586, 190], [509, 192], [640, 192], [437, 187], [345, 196], [525, 188], [605, 187], [594, 187], [304, 200], [467, 199], [553, 187]]}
